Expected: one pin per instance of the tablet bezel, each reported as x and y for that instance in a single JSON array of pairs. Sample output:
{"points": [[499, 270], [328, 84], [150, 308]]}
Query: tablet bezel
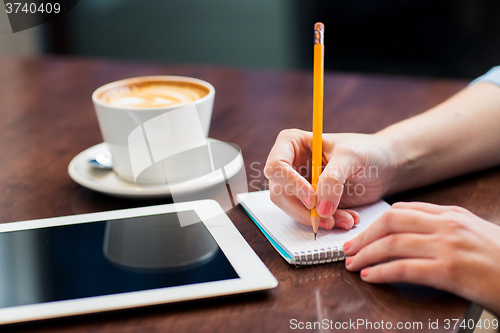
{"points": [[253, 274]]}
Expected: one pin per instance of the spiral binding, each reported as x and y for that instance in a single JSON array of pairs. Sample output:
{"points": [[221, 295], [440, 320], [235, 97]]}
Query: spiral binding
{"points": [[321, 256]]}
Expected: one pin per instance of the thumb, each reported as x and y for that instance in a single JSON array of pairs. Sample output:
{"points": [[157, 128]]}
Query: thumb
{"points": [[331, 182]]}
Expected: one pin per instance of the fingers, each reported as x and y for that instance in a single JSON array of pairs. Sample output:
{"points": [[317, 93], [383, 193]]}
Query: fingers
{"points": [[418, 271], [393, 246], [327, 224], [290, 204], [343, 219], [346, 219], [295, 209], [355, 215], [331, 182], [395, 220], [422, 206], [426, 251], [288, 148]]}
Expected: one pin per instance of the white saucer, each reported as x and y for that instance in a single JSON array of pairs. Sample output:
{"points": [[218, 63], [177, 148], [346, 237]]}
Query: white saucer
{"points": [[106, 181]]}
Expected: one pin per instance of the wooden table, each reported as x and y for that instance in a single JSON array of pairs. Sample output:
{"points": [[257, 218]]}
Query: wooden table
{"points": [[47, 118]]}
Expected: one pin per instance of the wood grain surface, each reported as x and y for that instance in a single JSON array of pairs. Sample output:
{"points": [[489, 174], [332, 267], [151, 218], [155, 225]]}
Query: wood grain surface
{"points": [[47, 118]]}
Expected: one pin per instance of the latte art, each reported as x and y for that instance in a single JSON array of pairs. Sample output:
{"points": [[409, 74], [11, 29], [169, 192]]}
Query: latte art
{"points": [[153, 94]]}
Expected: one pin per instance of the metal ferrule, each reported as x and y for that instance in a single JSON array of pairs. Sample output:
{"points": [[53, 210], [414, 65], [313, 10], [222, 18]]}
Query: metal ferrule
{"points": [[319, 37]]}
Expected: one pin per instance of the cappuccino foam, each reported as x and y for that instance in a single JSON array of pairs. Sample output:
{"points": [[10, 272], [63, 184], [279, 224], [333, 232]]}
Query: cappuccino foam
{"points": [[152, 94]]}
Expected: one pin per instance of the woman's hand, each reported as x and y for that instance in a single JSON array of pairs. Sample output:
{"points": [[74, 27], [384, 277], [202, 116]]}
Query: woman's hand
{"points": [[444, 247], [359, 169]]}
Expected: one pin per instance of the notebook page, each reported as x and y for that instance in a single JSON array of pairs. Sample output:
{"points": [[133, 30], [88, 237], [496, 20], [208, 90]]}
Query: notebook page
{"points": [[296, 237]]}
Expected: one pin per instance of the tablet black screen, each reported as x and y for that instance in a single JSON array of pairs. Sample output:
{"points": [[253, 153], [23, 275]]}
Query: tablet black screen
{"points": [[107, 257]]}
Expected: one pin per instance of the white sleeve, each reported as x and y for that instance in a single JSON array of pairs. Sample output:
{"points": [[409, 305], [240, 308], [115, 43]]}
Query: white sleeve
{"points": [[493, 76]]}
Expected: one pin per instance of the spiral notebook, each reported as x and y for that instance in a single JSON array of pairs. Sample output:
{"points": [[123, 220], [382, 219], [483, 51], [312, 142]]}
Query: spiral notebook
{"points": [[295, 241]]}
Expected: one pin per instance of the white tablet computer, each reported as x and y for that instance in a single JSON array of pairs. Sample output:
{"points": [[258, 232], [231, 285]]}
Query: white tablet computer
{"points": [[120, 259]]}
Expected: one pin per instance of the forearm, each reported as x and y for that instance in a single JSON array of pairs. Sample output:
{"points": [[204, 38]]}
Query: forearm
{"points": [[458, 136]]}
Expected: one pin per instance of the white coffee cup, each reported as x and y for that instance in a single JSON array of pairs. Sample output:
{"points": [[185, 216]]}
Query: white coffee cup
{"points": [[117, 122]]}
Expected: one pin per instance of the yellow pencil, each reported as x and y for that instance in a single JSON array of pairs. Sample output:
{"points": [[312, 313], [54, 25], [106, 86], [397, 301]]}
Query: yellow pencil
{"points": [[317, 144]]}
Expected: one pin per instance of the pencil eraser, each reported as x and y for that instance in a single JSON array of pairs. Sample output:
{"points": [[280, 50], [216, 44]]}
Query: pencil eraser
{"points": [[319, 26]]}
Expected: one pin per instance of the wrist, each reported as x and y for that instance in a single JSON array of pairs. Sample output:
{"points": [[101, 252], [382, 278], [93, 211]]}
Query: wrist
{"points": [[404, 162]]}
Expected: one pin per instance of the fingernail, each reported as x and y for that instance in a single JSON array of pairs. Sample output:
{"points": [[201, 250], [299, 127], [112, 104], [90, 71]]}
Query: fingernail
{"points": [[347, 245], [307, 201], [364, 272], [348, 261], [342, 225], [325, 208]]}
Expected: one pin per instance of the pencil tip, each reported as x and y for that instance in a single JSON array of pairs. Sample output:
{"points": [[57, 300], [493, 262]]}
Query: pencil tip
{"points": [[314, 236]]}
